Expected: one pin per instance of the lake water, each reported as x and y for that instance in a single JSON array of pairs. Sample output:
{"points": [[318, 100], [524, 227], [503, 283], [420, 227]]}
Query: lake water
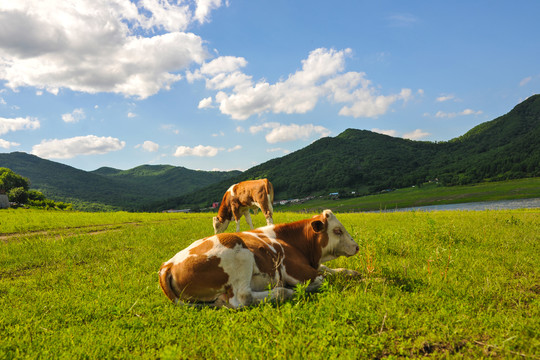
{"points": [[478, 206]]}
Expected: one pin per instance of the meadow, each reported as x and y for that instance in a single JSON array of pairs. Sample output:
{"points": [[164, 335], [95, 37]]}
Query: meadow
{"points": [[453, 284], [427, 194]]}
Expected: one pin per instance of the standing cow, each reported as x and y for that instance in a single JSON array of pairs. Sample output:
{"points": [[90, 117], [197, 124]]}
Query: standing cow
{"points": [[240, 198], [237, 269]]}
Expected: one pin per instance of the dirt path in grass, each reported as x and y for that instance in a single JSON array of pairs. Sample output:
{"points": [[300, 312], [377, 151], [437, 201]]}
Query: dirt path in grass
{"points": [[76, 230]]}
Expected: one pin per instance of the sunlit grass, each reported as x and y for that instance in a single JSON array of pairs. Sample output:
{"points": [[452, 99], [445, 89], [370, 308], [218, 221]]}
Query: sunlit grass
{"points": [[462, 284]]}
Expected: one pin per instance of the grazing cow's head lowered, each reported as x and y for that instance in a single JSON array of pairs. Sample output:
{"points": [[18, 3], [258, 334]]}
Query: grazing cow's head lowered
{"points": [[237, 269]]}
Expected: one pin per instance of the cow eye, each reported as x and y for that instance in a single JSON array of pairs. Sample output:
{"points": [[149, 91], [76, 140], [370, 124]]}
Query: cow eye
{"points": [[338, 231]]}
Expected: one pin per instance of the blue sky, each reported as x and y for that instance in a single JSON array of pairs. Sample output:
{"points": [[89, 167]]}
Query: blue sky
{"points": [[229, 84]]}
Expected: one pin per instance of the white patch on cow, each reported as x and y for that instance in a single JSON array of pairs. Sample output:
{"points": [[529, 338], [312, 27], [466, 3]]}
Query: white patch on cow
{"points": [[231, 189], [238, 263], [270, 206]]}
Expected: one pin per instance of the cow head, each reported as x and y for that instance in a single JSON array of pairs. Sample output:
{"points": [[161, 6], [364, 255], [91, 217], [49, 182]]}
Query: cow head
{"points": [[219, 226], [340, 242]]}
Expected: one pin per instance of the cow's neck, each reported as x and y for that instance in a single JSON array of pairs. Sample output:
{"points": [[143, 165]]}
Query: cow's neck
{"points": [[224, 211], [301, 236]]}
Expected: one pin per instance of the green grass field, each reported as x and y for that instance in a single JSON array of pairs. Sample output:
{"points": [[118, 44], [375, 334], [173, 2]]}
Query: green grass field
{"points": [[429, 194], [440, 284]]}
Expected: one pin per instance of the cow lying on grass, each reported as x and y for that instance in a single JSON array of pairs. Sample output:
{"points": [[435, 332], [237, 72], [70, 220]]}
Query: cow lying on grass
{"points": [[237, 269], [252, 194]]}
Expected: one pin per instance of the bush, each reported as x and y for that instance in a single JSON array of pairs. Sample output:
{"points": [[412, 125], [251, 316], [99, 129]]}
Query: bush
{"points": [[18, 195]]}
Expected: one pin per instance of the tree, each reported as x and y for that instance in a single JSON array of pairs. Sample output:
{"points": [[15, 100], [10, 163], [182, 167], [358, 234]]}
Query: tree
{"points": [[10, 180]]}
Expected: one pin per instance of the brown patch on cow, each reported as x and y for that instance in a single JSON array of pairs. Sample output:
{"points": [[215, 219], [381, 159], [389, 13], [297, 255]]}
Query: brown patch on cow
{"points": [[298, 265], [230, 240], [200, 278], [303, 246], [267, 260], [201, 249]]}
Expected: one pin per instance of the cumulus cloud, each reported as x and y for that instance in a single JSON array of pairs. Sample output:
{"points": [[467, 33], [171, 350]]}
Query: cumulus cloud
{"points": [[321, 76], [199, 150], [205, 103], [130, 48], [79, 145], [416, 135], [283, 133], [149, 146], [75, 116], [4, 144], [15, 124]]}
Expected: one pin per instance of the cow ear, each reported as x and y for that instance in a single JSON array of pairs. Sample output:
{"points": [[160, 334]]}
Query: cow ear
{"points": [[317, 225]]}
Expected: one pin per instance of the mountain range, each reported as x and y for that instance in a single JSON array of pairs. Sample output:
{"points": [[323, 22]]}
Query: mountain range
{"points": [[507, 147]]}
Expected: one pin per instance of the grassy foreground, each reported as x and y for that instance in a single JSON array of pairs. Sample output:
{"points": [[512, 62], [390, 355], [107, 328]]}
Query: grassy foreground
{"points": [[444, 284]]}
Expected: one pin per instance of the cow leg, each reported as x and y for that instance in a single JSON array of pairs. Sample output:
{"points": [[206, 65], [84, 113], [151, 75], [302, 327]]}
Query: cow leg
{"points": [[315, 284], [325, 270], [276, 294], [269, 212], [247, 215]]}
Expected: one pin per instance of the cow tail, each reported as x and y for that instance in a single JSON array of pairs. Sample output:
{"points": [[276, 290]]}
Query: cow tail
{"points": [[165, 281]]}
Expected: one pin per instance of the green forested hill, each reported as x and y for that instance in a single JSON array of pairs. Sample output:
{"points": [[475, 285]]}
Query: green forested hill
{"points": [[362, 161], [356, 160], [108, 188]]}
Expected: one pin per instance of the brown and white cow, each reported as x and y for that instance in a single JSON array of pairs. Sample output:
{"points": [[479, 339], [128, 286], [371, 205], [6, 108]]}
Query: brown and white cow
{"points": [[238, 269], [240, 198]]}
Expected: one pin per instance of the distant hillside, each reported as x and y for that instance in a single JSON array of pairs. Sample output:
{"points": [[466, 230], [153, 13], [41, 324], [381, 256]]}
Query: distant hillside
{"points": [[108, 188], [356, 160], [362, 161]]}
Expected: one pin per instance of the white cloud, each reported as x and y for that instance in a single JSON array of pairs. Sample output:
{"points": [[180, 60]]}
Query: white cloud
{"points": [[131, 115], [4, 144], [199, 150], [367, 103], [118, 46], [320, 77], [283, 133], [15, 124], [416, 134], [149, 146], [258, 128], [525, 81], [80, 145], [75, 116], [393, 133], [203, 9], [235, 148], [444, 98], [205, 103], [442, 114]]}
